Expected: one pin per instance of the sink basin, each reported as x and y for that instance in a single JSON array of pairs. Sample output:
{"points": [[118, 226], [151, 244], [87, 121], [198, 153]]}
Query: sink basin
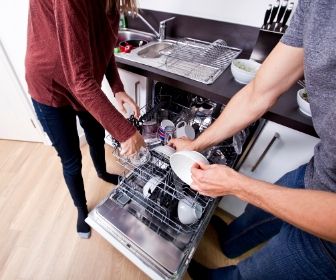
{"points": [[153, 50], [131, 34]]}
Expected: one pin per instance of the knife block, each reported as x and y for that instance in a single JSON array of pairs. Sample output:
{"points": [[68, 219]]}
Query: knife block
{"points": [[267, 40]]}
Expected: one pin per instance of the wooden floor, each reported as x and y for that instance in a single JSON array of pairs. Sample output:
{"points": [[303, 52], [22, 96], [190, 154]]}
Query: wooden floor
{"points": [[37, 221]]}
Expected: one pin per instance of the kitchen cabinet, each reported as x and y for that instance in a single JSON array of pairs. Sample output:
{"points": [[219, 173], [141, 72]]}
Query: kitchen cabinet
{"points": [[287, 149], [136, 86]]}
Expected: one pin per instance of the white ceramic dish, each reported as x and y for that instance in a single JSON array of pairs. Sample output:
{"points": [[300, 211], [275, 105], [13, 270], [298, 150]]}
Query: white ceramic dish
{"points": [[244, 70], [189, 211], [304, 105], [150, 186], [181, 163], [165, 150]]}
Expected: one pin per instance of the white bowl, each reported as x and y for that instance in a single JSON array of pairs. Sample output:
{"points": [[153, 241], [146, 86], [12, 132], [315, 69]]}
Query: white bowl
{"points": [[189, 211], [304, 105], [181, 163], [244, 70]]}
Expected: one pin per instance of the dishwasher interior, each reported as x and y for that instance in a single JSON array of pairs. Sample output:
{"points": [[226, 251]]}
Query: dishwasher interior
{"points": [[144, 225]]}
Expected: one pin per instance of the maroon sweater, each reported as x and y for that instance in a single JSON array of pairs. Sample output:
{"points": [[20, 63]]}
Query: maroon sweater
{"points": [[70, 48]]}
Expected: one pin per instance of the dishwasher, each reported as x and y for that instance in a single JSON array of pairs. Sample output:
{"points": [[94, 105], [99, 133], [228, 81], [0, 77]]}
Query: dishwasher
{"points": [[146, 229]]}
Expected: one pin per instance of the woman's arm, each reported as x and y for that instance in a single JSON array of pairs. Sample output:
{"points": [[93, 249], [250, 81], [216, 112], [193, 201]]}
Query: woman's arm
{"points": [[310, 210], [72, 31], [280, 70]]}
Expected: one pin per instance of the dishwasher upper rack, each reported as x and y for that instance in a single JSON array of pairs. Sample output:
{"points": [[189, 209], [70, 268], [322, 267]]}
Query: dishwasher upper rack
{"points": [[198, 60]]}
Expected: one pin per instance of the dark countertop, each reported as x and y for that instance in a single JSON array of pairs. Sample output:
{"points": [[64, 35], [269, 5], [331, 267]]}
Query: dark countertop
{"points": [[284, 112]]}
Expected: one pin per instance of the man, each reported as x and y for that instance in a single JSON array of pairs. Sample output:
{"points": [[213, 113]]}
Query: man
{"points": [[298, 213]]}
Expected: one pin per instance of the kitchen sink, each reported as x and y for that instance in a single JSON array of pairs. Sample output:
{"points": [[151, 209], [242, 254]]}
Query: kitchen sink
{"points": [[131, 34], [154, 50]]}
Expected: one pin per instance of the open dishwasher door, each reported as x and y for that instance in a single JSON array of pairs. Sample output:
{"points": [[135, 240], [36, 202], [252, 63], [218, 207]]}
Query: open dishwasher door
{"points": [[141, 219]]}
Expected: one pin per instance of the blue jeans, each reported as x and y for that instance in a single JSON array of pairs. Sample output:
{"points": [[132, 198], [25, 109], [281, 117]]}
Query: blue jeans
{"points": [[290, 253], [60, 125]]}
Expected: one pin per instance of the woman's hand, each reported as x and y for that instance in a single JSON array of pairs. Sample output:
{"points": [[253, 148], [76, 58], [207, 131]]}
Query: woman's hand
{"points": [[122, 99], [214, 180], [181, 144], [132, 145]]}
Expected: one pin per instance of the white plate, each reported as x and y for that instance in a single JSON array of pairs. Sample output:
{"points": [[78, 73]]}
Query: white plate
{"points": [[181, 163]]}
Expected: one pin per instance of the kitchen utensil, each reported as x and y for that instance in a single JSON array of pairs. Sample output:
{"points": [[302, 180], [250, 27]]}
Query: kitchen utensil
{"points": [[181, 163], [169, 132], [216, 153], [161, 131], [267, 14], [286, 16], [149, 130], [189, 211], [141, 157], [165, 150], [304, 105], [280, 14], [273, 13], [244, 70], [184, 130], [150, 186], [127, 46]]}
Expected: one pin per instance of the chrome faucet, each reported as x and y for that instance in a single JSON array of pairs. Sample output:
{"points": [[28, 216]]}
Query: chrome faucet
{"points": [[161, 35], [162, 29]]}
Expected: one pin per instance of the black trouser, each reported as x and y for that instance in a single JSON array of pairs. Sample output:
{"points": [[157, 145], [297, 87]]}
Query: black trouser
{"points": [[60, 126]]}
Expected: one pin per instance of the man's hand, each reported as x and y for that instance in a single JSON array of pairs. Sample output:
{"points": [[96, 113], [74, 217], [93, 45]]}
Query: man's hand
{"points": [[132, 145], [122, 99], [214, 180], [181, 144]]}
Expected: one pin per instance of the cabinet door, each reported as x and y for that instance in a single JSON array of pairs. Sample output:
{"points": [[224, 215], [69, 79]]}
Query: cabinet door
{"points": [[287, 149], [135, 86]]}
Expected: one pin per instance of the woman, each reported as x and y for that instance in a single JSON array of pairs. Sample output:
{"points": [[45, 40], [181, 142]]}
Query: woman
{"points": [[70, 48]]}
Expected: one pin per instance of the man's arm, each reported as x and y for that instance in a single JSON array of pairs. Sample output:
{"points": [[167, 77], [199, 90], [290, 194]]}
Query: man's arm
{"points": [[310, 210], [279, 71]]}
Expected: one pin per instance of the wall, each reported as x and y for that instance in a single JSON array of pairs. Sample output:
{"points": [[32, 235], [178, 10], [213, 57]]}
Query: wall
{"points": [[246, 12]]}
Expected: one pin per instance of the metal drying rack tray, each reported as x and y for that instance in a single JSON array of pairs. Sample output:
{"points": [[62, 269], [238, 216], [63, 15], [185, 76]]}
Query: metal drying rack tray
{"points": [[198, 60]]}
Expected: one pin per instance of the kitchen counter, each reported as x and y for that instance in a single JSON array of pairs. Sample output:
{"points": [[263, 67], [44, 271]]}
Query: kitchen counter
{"points": [[284, 112]]}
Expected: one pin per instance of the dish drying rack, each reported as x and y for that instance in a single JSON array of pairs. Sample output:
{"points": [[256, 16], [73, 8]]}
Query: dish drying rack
{"points": [[198, 60]]}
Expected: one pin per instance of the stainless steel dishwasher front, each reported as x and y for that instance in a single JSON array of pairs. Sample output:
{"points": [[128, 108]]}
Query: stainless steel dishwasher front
{"points": [[146, 228]]}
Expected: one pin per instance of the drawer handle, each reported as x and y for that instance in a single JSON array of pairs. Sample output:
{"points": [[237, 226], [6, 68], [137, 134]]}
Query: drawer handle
{"points": [[136, 92], [275, 137]]}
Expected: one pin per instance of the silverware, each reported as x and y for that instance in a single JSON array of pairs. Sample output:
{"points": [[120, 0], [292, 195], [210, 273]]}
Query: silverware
{"points": [[301, 83]]}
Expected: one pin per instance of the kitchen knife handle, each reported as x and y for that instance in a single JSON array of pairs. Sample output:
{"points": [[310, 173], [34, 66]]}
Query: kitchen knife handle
{"points": [[274, 11], [282, 11], [267, 14], [287, 13]]}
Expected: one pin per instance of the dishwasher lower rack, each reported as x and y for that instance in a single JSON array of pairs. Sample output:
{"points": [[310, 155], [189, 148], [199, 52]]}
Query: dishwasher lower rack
{"points": [[147, 228]]}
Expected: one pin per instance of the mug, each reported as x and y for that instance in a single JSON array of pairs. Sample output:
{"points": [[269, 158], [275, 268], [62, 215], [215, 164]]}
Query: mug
{"points": [[169, 132], [161, 131], [184, 130], [189, 211]]}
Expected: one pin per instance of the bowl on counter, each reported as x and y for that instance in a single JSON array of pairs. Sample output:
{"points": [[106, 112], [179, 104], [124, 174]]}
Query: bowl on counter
{"points": [[128, 45], [244, 70], [302, 100]]}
